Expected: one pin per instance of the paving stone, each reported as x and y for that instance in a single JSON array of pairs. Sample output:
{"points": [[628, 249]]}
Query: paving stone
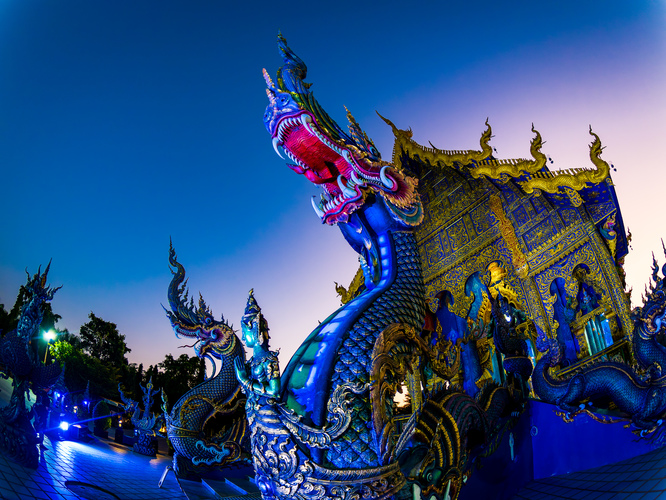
{"points": [[96, 463], [641, 477]]}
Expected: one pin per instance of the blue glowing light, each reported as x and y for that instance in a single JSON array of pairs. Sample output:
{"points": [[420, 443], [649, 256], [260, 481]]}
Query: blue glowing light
{"points": [[64, 425]]}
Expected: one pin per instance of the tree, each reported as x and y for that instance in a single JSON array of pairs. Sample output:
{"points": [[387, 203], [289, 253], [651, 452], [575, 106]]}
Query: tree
{"points": [[131, 379], [80, 368], [5, 321], [181, 374], [95, 356], [102, 340]]}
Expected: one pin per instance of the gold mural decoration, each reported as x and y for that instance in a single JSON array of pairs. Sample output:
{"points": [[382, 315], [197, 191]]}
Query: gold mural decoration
{"points": [[503, 169], [573, 178], [438, 267], [573, 195], [433, 155], [561, 244], [518, 259]]}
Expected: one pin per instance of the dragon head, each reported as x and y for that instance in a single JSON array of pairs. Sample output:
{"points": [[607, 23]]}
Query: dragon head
{"points": [[214, 339], [346, 165], [36, 293]]}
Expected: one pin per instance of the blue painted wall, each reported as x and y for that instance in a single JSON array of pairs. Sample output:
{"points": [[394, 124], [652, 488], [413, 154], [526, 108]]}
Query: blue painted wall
{"points": [[545, 445], [560, 448]]}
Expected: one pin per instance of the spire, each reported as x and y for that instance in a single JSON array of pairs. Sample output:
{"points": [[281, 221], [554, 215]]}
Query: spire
{"points": [[252, 309]]}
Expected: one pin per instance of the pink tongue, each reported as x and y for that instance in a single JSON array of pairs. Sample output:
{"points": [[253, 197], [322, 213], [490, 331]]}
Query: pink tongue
{"points": [[296, 168]]}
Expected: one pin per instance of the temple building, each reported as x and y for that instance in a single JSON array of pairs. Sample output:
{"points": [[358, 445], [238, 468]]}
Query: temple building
{"points": [[552, 243]]}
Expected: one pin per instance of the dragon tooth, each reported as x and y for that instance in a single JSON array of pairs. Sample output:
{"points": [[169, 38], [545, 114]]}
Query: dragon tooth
{"points": [[346, 192], [388, 183], [276, 143], [315, 205], [281, 132], [355, 179]]}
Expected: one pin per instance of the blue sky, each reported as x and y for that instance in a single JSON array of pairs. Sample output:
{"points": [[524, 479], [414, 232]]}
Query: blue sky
{"points": [[125, 123]]}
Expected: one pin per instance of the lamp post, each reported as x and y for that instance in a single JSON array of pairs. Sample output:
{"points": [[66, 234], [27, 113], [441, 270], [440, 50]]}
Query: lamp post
{"points": [[48, 336]]}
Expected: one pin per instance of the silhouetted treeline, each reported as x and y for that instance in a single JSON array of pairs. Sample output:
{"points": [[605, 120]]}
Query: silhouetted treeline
{"points": [[97, 355]]}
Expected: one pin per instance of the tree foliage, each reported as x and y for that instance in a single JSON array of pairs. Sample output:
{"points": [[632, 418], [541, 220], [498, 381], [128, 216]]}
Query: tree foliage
{"points": [[102, 340], [175, 376], [5, 321], [181, 374], [97, 356], [81, 368]]}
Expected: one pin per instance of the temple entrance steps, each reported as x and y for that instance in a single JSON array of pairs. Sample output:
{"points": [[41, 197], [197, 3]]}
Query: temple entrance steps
{"points": [[234, 488]]}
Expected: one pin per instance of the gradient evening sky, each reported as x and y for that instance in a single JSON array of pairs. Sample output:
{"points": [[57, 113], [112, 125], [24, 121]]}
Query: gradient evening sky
{"points": [[124, 123]]}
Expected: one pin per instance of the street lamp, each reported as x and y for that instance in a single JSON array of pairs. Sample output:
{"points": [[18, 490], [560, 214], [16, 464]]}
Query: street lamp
{"points": [[48, 336]]}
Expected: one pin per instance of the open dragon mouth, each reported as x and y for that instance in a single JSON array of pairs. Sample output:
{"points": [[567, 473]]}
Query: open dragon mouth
{"points": [[330, 165], [346, 165]]}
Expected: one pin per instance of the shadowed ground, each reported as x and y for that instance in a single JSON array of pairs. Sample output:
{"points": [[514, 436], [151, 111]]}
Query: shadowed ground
{"points": [[642, 477], [99, 463]]}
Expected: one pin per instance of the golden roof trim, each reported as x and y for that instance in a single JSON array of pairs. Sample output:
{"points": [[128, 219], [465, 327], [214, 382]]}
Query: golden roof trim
{"points": [[496, 169], [404, 142], [573, 178]]}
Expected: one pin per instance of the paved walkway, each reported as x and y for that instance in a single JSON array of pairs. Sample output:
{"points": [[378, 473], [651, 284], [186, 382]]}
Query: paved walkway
{"points": [[97, 464], [72, 470], [642, 477]]}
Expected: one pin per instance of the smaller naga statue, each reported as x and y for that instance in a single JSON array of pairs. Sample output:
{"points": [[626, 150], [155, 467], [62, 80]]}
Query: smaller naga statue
{"points": [[190, 423], [147, 424]]}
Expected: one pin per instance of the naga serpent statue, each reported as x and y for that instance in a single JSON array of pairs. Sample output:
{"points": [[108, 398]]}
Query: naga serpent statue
{"points": [[639, 392], [219, 394], [325, 428], [19, 360], [146, 425]]}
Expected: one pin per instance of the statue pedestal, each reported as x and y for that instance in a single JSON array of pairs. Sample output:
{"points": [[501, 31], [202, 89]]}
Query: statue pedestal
{"points": [[146, 444], [103, 433], [119, 436]]}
